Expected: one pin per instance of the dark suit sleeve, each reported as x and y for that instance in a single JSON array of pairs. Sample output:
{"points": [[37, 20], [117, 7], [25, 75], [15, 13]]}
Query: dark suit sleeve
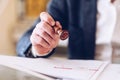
{"points": [[24, 45], [57, 10]]}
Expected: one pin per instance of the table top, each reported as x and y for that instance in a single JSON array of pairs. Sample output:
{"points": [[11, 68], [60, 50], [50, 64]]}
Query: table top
{"points": [[7, 73]]}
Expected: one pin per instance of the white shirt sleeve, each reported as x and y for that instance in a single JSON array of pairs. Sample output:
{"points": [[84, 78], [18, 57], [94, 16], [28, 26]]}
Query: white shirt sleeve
{"points": [[106, 21]]}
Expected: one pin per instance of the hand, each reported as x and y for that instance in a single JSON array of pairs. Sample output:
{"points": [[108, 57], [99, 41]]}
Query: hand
{"points": [[112, 1], [44, 37]]}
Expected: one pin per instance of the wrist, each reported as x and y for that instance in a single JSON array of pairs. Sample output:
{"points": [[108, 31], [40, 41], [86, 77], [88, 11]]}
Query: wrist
{"points": [[35, 53]]}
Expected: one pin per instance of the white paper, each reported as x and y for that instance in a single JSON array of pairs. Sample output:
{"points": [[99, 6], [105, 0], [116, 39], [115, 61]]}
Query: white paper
{"points": [[112, 72], [68, 69]]}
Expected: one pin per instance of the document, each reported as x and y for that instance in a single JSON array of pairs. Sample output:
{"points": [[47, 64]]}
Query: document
{"points": [[58, 68], [112, 72]]}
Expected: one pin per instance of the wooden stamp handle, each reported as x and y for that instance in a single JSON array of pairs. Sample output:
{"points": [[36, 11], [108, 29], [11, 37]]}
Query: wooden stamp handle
{"points": [[62, 33]]}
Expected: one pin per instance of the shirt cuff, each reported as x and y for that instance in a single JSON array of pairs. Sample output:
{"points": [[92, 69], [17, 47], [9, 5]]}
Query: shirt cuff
{"points": [[35, 53]]}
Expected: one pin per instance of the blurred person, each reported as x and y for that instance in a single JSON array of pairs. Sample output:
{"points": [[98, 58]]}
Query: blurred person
{"points": [[90, 24]]}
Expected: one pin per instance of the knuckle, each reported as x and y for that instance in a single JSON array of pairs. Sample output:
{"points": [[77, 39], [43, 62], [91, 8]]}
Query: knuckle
{"points": [[40, 40], [48, 19], [38, 25], [44, 25], [34, 31], [42, 13], [43, 33], [41, 25]]}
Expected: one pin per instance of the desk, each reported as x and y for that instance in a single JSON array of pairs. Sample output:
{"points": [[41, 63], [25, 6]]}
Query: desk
{"points": [[7, 73]]}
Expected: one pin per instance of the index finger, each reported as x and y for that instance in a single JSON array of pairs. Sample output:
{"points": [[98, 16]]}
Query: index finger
{"points": [[44, 16]]}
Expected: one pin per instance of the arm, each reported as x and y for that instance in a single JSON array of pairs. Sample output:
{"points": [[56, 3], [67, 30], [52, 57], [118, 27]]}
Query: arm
{"points": [[24, 44], [57, 12]]}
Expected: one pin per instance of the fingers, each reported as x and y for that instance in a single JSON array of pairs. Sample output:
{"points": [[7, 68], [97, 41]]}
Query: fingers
{"points": [[38, 40], [43, 43], [43, 33], [112, 1], [58, 24], [41, 49], [57, 27], [44, 37], [44, 16], [44, 27]]}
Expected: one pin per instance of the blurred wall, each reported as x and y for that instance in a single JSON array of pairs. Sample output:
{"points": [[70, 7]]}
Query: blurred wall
{"points": [[7, 19], [34, 7]]}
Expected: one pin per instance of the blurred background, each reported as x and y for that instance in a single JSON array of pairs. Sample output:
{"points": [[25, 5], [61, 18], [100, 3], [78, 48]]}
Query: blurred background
{"points": [[16, 16]]}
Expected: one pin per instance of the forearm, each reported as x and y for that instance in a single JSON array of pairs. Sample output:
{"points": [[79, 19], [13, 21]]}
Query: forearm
{"points": [[24, 44]]}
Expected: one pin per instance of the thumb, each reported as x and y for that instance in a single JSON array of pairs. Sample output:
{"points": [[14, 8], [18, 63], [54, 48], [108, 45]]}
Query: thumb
{"points": [[44, 16]]}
